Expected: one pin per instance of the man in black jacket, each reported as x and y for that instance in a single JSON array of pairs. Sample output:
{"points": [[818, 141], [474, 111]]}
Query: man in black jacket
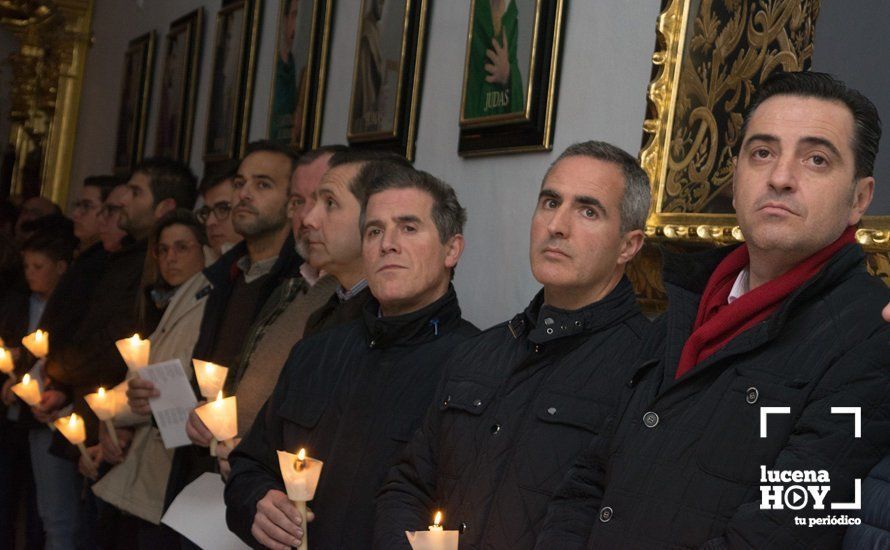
{"points": [[522, 400], [790, 320], [353, 395]]}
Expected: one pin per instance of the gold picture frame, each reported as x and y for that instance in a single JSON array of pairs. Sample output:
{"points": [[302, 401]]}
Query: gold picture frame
{"points": [[179, 84], [135, 95], [527, 37], [309, 50], [387, 74], [232, 79], [681, 132]]}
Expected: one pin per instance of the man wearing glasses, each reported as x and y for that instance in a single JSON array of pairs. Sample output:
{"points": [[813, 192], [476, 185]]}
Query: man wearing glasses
{"points": [[217, 190]]}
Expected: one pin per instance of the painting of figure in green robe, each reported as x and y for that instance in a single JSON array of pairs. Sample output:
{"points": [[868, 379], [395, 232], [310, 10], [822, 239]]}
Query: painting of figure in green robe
{"points": [[499, 58], [289, 88]]}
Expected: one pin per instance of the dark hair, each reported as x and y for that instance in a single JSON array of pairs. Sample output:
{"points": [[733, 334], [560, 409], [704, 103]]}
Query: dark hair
{"points": [[104, 184], [269, 146], [169, 179], [311, 156], [53, 236], [376, 177], [226, 171], [867, 122], [352, 156], [180, 216], [634, 206]]}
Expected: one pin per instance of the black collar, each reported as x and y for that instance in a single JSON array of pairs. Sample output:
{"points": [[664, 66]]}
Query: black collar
{"points": [[413, 328]]}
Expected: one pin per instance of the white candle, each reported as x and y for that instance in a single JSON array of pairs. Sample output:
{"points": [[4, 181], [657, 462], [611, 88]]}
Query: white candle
{"points": [[105, 405], [134, 350], [37, 343], [211, 377], [300, 474], [435, 538], [221, 418], [6, 364], [72, 427], [28, 390]]}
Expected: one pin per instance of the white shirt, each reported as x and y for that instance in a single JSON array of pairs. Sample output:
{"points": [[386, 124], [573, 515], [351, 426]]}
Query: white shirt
{"points": [[741, 286]]}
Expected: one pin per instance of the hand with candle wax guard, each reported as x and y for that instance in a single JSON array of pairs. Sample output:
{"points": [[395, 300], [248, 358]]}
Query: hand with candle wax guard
{"points": [[111, 453], [6, 394], [139, 391], [277, 524], [86, 468], [222, 458], [50, 403], [196, 430]]}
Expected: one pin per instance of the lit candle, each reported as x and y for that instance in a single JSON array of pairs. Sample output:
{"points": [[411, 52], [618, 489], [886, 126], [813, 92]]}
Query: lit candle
{"points": [[6, 364], [435, 538], [300, 474], [28, 390], [37, 343], [75, 432], [221, 418], [134, 350], [105, 405], [211, 377]]}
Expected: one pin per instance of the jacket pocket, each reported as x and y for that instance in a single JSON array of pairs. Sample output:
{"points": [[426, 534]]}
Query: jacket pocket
{"points": [[731, 447], [563, 425], [468, 396], [463, 431], [304, 410]]}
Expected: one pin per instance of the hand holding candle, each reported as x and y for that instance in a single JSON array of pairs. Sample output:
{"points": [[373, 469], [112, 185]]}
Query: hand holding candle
{"points": [[7, 365], [300, 474], [435, 538], [37, 343], [135, 351], [73, 429], [211, 377], [106, 405], [221, 418]]}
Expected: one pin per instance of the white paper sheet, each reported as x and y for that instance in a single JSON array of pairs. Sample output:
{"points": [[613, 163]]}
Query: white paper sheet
{"points": [[199, 514], [171, 409]]}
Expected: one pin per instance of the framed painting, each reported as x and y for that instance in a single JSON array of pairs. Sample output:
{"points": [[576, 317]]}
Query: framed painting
{"points": [[511, 70], [176, 113], [135, 93], [231, 89], [296, 103], [387, 75]]}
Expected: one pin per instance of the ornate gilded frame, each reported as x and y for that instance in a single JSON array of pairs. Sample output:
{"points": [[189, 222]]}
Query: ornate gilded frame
{"points": [[532, 129], [773, 35], [246, 71], [401, 138], [316, 74], [189, 28], [141, 50]]}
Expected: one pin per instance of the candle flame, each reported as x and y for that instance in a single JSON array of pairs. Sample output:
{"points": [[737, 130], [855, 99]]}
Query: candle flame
{"points": [[39, 335], [437, 521], [208, 368], [101, 392], [135, 339], [300, 462], [26, 379], [72, 420]]}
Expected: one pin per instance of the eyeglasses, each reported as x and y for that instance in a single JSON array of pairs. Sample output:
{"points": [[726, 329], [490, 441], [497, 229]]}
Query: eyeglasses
{"points": [[220, 210], [179, 247], [86, 205], [108, 210]]}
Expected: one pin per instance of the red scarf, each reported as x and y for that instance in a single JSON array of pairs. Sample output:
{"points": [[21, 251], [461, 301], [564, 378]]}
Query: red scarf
{"points": [[718, 322]]}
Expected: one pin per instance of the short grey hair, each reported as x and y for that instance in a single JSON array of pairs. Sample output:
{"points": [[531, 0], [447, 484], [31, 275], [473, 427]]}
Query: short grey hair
{"points": [[378, 176], [634, 206]]}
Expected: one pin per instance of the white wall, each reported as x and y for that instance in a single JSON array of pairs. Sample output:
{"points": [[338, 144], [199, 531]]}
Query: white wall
{"points": [[605, 70]]}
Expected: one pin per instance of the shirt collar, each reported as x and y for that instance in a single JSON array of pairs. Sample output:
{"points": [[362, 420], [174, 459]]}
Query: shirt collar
{"points": [[740, 287], [344, 295], [254, 270], [310, 274]]}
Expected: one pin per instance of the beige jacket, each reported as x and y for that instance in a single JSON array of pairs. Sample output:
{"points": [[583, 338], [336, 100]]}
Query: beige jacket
{"points": [[137, 485]]}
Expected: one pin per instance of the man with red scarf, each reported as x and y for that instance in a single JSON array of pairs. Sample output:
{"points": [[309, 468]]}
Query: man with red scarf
{"points": [[789, 320]]}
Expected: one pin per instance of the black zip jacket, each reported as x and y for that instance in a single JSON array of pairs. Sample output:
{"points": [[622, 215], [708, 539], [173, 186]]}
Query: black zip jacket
{"points": [[352, 396]]}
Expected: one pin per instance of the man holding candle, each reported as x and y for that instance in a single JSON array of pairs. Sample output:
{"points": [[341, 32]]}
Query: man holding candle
{"points": [[351, 396], [521, 401]]}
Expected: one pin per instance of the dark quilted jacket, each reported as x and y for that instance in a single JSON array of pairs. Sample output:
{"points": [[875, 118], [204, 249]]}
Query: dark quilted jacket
{"points": [[518, 404], [874, 531], [683, 469]]}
